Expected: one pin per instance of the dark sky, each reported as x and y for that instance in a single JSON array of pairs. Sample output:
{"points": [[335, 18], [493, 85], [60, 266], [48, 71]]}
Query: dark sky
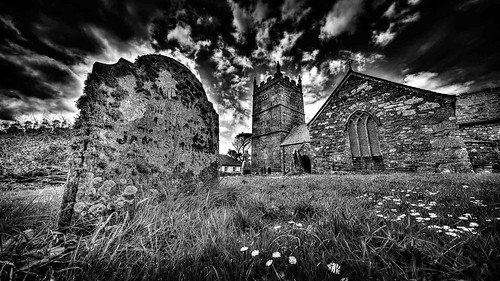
{"points": [[48, 47]]}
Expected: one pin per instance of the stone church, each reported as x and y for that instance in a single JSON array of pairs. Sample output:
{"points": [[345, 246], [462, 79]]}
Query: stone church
{"points": [[368, 123]]}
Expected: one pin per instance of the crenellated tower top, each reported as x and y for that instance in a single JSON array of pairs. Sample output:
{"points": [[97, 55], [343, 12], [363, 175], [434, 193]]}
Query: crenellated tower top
{"points": [[277, 77]]}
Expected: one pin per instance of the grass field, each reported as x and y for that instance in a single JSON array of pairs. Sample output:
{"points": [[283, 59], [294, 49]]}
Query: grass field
{"points": [[335, 227]]}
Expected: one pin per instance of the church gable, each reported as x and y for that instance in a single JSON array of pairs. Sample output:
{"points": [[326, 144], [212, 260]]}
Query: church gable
{"points": [[371, 123], [358, 87]]}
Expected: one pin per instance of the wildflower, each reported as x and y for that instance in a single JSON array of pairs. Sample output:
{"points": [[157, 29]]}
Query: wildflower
{"points": [[255, 253], [276, 255], [269, 262], [463, 218], [298, 224], [292, 260], [473, 224], [394, 210], [465, 186], [97, 208], [130, 190], [243, 249], [453, 234], [432, 215], [334, 268], [277, 227], [78, 207]]}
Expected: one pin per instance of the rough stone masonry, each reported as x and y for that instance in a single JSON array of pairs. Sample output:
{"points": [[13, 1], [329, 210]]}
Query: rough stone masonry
{"points": [[144, 128]]}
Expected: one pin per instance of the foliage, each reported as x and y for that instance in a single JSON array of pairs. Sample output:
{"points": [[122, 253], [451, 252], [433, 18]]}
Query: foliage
{"points": [[232, 153], [335, 227], [240, 143], [41, 156]]}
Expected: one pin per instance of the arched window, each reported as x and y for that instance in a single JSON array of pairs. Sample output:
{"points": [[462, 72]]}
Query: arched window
{"points": [[364, 141]]}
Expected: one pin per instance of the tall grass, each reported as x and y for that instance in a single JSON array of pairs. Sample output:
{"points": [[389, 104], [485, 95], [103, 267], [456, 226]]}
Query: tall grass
{"points": [[348, 220]]}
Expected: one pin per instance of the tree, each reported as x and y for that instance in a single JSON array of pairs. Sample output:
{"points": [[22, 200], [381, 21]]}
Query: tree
{"points": [[232, 153], [240, 143]]}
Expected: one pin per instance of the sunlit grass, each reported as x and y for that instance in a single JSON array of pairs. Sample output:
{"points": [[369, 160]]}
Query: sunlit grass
{"points": [[349, 227]]}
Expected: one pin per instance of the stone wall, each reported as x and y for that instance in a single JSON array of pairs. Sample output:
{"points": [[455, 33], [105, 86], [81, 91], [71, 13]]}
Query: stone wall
{"points": [[484, 156], [292, 164], [479, 107], [144, 128], [266, 151], [416, 127]]}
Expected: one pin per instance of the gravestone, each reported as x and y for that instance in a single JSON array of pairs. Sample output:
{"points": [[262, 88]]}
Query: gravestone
{"points": [[246, 166], [144, 128]]}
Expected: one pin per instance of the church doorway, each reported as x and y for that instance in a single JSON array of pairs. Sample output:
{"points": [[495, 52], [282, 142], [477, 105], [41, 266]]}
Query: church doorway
{"points": [[306, 163]]}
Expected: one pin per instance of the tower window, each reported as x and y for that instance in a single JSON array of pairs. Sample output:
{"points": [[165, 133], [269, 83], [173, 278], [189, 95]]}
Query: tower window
{"points": [[364, 141]]}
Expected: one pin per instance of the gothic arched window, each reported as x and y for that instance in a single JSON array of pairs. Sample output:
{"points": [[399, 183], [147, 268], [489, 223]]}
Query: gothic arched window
{"points": [[364, 141]]}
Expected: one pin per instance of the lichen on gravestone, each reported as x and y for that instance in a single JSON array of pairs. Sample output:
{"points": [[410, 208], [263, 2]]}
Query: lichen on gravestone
{"points": [[143, 127]]}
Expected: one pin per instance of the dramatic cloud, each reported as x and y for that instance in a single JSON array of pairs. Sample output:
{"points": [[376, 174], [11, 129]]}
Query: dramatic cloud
{"points": [[294, 10], [181, 34], [285, 44], [260, 12], [47, 51], [341, 18], [309, 56], [431, 81], [385, 37]]}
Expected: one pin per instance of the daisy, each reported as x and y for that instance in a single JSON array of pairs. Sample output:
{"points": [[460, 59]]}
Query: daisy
{"points": [[334, 268]]}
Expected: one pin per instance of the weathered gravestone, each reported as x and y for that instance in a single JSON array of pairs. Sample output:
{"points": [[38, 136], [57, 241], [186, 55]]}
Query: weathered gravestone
{"points": [[246, 166], [144, 128]]}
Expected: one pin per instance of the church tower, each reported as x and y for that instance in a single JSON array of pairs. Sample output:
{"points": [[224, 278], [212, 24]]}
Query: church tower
{"points": [[278, 106]]}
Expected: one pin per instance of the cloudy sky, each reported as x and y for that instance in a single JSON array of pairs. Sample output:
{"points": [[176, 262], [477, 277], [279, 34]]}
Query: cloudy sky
{"points": [[48, 47]]}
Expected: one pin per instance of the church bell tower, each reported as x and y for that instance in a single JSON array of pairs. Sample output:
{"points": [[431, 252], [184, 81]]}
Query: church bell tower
{"points": [[278, 106]]}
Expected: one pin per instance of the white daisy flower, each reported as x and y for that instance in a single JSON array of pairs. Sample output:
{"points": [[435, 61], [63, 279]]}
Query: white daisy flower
{"points": [[334, 268]]}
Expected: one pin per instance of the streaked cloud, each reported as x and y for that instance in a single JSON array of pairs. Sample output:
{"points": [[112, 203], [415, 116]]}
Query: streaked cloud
{"points": [[341, 18]]}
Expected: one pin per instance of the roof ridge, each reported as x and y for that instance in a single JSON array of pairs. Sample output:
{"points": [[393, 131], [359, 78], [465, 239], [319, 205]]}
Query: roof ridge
{"points": [[366, 76]]}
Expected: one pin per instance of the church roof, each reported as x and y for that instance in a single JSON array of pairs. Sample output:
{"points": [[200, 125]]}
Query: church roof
{"points": [[225, 160], [351, 73], [298, 134]]}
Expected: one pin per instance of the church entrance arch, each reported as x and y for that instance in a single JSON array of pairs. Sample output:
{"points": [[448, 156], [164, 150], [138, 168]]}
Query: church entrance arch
{"points": [[306, 163]]}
